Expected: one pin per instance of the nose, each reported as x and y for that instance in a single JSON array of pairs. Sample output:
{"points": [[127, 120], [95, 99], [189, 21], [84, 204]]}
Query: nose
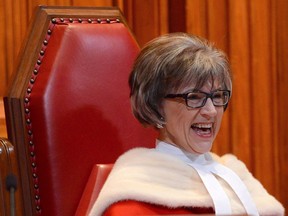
{"points": [[208, 110]]}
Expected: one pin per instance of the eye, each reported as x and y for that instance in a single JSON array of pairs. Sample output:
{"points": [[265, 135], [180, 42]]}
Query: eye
{"points": [[219, 95], [195, 96]]}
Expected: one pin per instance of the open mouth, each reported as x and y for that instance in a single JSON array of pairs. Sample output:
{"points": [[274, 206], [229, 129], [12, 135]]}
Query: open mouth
{"points": [[203, 129]]}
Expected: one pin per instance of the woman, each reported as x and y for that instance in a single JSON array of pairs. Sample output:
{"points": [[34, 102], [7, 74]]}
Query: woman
{"points": [[181, 85]]}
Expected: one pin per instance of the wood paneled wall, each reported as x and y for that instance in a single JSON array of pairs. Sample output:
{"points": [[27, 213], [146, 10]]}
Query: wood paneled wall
{"points": [[254, 35]]}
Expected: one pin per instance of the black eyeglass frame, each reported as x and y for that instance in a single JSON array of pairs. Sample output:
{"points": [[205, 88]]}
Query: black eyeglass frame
{"points": [[208, 95]]}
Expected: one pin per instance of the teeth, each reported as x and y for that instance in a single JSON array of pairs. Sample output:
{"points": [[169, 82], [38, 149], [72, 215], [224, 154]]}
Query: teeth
{"points": [[202, 125]]}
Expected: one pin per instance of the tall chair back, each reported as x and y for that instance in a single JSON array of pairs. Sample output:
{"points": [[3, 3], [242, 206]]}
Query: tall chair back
{"points": [[68, 106]]}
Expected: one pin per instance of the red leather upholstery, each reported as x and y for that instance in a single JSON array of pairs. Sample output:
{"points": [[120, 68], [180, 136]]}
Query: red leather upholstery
{"points": [[96, 180], [81, 96], [77, 109]]}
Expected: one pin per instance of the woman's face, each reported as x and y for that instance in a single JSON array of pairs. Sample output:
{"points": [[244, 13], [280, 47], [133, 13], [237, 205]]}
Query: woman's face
{"points": [[193, 130]]}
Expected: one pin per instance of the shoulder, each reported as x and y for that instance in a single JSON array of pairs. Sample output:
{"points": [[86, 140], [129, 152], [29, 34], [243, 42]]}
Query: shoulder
{"points": [[232, 162], [239, 167], [147, 175], [266, 203]]}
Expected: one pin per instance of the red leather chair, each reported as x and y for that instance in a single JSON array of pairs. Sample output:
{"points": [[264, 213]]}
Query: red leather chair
{"points": [[68, 107]]}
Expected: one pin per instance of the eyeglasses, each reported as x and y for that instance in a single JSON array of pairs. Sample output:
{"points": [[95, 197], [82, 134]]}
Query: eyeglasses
{"points": [[197, 99]]}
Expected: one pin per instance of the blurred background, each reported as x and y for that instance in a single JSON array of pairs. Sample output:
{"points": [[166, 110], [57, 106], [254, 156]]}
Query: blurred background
{"points": [[254, 35]]}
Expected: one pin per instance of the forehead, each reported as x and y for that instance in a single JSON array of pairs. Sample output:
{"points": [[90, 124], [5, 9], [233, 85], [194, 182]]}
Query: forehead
{"points": [[207, 86]]}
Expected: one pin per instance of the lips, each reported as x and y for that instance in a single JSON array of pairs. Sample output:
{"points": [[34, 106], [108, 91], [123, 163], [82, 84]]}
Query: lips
{"points": [[203, 129]]}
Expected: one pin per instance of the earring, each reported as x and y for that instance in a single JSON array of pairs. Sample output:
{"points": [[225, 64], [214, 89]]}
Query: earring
{"points": [[159, 126]]}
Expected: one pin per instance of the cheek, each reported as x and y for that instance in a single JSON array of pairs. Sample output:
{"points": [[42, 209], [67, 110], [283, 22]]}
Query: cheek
{"points": [[179, 115], [175, 117], [219, 118]]}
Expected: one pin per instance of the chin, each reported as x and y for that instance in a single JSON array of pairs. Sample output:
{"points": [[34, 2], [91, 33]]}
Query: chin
{"points": [[204, 148]]}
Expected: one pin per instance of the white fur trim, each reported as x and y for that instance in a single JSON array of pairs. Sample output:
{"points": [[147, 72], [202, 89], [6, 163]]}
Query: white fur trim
{"points": [[150, 176]]}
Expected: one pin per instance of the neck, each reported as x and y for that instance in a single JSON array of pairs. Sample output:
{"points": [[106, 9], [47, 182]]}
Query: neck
{"points": [[182, 154]]}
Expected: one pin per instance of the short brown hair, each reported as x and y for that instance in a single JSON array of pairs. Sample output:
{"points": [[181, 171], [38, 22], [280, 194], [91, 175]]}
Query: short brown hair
{"points": [[169, 63]]}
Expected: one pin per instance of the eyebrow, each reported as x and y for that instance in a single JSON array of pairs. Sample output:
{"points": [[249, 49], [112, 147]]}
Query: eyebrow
{"points": [[199, 90]]}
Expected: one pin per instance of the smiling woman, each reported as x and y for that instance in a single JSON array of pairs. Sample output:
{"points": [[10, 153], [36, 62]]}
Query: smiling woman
{"points": [[181, 85]]}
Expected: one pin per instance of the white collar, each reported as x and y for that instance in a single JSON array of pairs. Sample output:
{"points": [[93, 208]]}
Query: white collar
{"points": [[187, 157], [208, 169]]}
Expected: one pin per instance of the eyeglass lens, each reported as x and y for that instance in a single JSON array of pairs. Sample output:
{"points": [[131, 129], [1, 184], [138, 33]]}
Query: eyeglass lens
{"points": [[198, 99]]}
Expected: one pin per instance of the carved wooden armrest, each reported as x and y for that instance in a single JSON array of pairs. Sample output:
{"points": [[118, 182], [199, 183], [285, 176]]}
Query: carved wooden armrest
{"points": [[10, 192]]}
